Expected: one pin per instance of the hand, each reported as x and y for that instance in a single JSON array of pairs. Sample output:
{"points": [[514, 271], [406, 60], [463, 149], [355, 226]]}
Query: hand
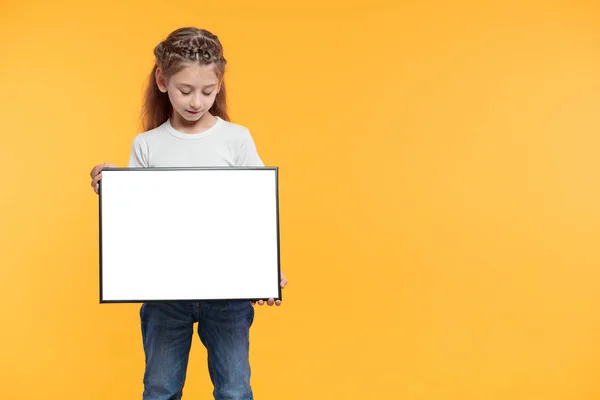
{"points": [[96, 174], [270, 302]]}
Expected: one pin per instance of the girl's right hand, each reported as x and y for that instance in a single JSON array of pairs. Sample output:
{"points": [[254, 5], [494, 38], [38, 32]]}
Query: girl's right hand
{"points": [[96, 174]]}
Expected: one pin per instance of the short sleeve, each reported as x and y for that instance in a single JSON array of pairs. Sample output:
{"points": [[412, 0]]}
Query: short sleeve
{"points": [[139, 153], [247, 154]]}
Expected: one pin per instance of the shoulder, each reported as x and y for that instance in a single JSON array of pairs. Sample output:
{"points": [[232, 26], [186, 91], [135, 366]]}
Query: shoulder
{"points": [[234, 130], [238, 137], [242, 144], [144, 140], [152, 134], [141, 145]]}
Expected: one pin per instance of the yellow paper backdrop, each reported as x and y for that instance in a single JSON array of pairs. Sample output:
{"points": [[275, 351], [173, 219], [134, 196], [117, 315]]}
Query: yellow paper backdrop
{"points": [[440, 194]]}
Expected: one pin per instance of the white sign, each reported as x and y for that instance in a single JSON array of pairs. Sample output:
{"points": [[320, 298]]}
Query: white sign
{"points": [[169, 234]]}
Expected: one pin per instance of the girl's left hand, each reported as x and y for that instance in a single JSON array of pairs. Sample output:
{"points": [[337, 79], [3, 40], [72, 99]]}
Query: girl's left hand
{"points": [[270, 302]]}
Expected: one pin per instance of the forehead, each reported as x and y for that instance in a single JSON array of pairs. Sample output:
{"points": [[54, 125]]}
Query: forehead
{"points": [[196, 75]]}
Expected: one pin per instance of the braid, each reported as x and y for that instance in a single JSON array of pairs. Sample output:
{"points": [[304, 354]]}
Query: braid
{"points": [[187, 44]]}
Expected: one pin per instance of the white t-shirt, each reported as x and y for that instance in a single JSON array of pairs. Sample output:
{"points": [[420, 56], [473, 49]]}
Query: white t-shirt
{"points": [[225, 144]]}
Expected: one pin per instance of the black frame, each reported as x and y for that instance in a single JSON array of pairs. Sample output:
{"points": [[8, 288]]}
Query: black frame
{"points": [[276, 169]]}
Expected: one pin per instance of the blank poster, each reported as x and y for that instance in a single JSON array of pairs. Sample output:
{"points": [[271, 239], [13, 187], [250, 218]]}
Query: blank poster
{"points": [[169, 234]]}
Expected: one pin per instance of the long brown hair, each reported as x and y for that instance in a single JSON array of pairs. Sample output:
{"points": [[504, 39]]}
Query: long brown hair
{"points": [[182, 47]]}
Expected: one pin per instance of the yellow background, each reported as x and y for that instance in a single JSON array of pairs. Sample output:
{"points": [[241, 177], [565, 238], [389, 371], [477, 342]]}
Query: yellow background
{"points": [[440, 194]]}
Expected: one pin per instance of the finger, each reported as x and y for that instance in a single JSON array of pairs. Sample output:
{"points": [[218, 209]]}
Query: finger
{"points": [[261, 302], [96, 185], [283, 282], [270, 302], [278, 302], [96, 170], [96, 179]]}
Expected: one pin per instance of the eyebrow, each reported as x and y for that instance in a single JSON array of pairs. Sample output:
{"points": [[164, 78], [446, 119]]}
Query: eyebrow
{"points": [[191, 87]]}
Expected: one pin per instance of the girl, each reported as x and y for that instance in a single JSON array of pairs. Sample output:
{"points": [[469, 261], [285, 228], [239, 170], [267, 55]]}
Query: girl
{"points": [[186, 125]]}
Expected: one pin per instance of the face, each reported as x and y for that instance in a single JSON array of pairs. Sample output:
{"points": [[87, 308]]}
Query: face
{"points": [[192, 91]]}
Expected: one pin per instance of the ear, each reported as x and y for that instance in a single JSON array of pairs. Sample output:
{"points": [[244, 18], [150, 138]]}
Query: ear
{"points": [[161, 81]]}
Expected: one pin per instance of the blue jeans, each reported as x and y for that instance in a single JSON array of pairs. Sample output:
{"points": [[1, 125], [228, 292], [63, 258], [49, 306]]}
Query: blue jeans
{"points": [[223, 328]]}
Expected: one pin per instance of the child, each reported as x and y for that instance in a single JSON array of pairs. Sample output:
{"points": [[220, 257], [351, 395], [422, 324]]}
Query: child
{"points": [[186, 125]]}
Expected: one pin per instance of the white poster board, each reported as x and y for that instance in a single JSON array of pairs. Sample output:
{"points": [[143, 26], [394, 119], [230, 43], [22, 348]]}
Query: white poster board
{"points": [[170, 234]]}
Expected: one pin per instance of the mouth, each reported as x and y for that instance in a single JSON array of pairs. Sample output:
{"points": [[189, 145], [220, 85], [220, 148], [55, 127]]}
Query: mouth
{"points": [[193, 112]]}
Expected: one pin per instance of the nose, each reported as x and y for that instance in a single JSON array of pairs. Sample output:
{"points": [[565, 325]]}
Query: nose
{"points": [[196, 101]]}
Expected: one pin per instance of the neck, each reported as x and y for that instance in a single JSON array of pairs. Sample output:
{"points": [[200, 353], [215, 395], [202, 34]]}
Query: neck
{"points": [[184, 126]]}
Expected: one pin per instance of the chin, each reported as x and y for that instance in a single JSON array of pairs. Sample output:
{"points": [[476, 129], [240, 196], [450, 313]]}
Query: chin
{"points": [[191, 118], [194, 118]]}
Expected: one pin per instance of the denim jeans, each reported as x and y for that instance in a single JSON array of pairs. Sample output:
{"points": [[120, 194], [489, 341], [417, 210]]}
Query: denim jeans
{"points": [[223, 328]]}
